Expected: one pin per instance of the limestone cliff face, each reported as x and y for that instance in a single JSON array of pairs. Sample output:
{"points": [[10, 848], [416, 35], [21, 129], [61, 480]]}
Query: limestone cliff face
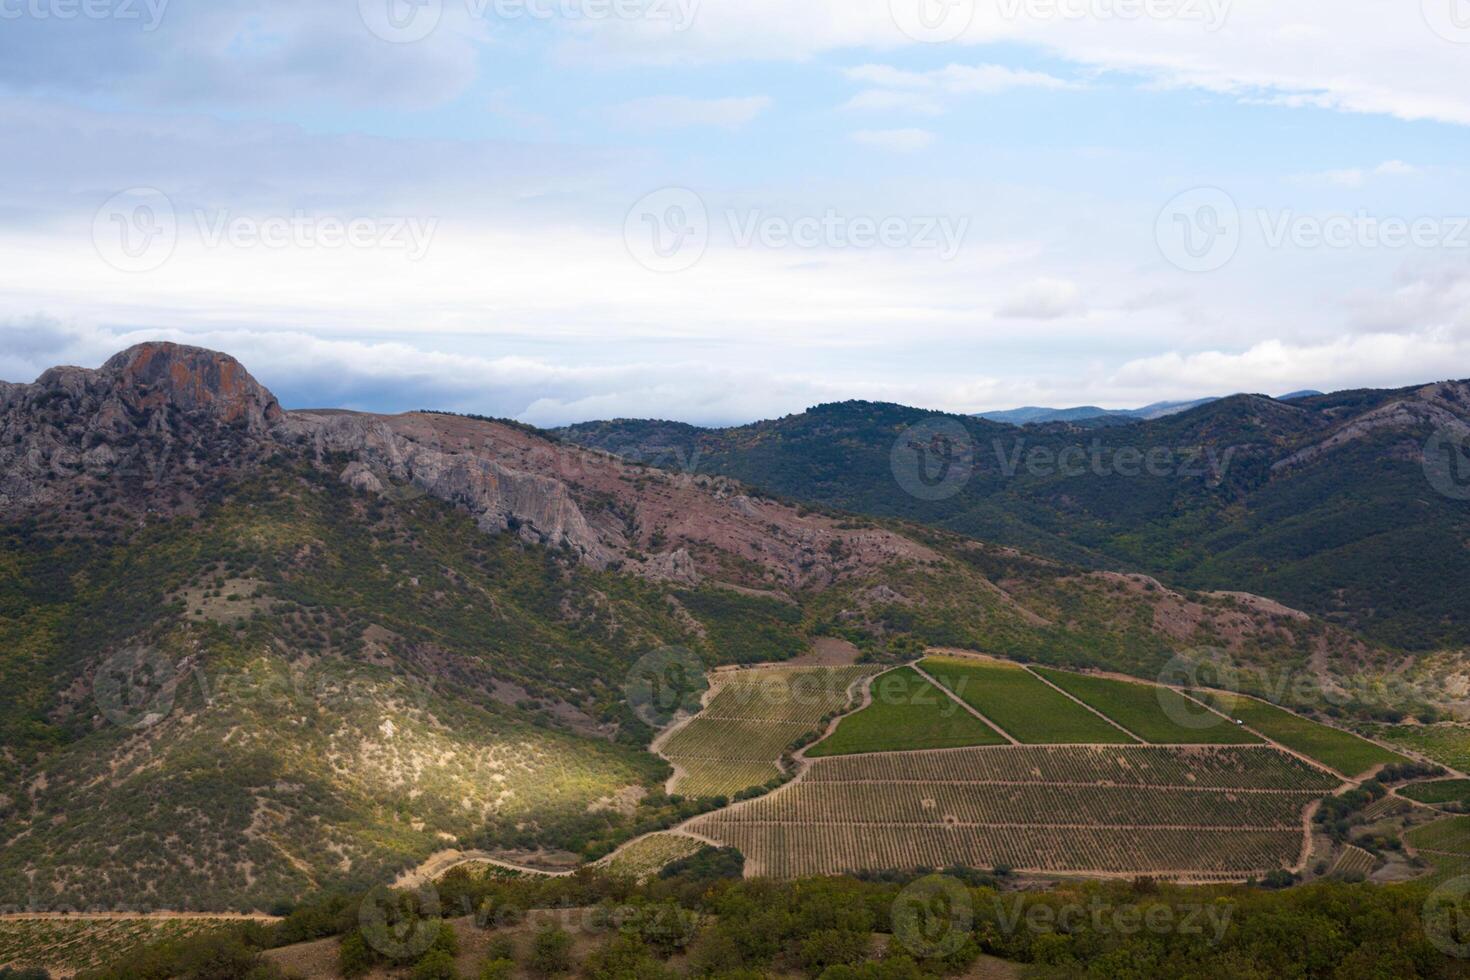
{"points": [[139, 415], [156, 423], [397, 457]]}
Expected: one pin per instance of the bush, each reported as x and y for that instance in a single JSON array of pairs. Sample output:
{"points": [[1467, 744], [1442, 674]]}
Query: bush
{"points": [[436, 964], [497, 969], [551, 952]]}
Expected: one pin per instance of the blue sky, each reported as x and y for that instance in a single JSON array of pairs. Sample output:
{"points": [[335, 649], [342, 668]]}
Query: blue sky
{"points": [[730, 209]]}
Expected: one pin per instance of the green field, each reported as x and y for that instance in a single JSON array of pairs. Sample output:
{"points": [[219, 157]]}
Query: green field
{"points": [[1024, 706], [1439, 791], [1337, 749], [1140, 708], [1447, 744], [907, 713]]}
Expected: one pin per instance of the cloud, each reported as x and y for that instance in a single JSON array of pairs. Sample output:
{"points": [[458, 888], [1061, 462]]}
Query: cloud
{"points": [[1357, 177], [674, 111], [1359, 56], [1043, 299], [957, 79], [895, 140], [238, 52], [885, 100]]}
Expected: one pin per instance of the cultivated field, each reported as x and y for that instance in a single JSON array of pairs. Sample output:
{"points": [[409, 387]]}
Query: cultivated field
{"points": [[1355, 861], [67, 944], [649, 855], [1026, 707], [1448, 744], [1439, 791], [1334, 748], [907, 712], [1151, 712], [750, 718], [1176, 812]]}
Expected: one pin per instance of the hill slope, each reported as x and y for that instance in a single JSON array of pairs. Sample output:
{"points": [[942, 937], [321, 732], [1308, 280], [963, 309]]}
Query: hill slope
{"points": [[1321, 502], [248, 653]]}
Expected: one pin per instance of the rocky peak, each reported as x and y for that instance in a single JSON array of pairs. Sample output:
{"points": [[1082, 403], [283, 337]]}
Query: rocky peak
{"points": [[192, 379]]}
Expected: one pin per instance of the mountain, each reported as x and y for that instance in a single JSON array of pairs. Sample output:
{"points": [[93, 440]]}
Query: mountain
{"points": [[1344, 505], [248, 654], [1029, 416]]}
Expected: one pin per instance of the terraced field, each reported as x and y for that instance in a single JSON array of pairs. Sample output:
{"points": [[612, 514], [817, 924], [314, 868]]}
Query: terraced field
{"points": [[906, 713], [647, 856], [1027, 708], [750, 718], [67, 944], [1151, 712], [1439, 791], [1178, 812], [1334, 748]]}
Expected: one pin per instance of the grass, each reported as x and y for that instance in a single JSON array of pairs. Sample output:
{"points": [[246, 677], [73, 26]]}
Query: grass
{"points": [[1024, 706], [907, 713], [1334, 748], [1447, 744], [1439, 791], [1150, 711]]}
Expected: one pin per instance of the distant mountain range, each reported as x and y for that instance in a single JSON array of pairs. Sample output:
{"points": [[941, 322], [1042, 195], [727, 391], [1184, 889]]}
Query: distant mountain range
{"points": [[1093, 414], [1320, 501]]}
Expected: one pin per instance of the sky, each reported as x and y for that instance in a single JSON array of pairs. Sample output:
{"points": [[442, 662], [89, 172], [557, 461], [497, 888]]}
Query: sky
{"points": [[725, 210]]}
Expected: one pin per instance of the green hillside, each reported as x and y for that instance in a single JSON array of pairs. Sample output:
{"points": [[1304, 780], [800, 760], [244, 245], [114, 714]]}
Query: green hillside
{"points": [[1356, 534]]}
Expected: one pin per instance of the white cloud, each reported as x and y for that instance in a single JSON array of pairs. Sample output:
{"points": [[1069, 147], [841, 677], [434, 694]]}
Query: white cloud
{"points": [[895, 140], [1042, 299], [885, 100], [1356, 177], [673, 111], [1361, 56], [957, 79]]}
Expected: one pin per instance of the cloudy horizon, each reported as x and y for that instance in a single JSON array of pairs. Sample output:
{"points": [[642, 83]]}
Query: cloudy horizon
{"points": [[730, 210]]}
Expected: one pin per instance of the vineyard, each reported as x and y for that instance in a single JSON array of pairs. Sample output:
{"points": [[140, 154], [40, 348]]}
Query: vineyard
{"points": [[750, 718], [907, 713], [1112, 810], [1022, 704], [1153, 713], [648, 855], [1337, 749], [65, 944]]}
